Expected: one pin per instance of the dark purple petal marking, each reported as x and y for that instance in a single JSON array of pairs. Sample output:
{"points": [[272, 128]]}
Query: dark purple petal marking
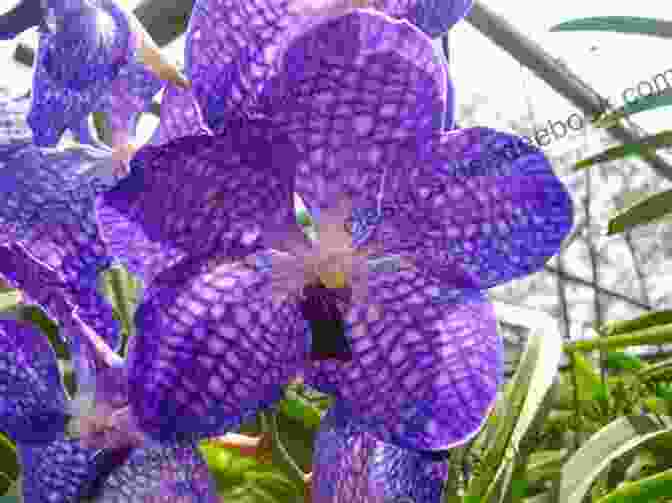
{"points": [[323, 310], [58, 472], [211, 350], [201, 193], [23, 16], [425, 369], [161, 474], [479, 205], [180, 116], [351, 466], [32, 398]]}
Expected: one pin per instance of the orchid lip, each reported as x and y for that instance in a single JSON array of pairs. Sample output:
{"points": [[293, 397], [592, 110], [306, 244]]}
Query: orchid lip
{"points": [[323, 307]]}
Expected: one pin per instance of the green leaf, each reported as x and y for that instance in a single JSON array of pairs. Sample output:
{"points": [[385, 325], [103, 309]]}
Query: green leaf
{"points": [[641, 147], [242, 478], [660, 334], [619, 24], [650, 489], [526, 403], [9, 463], [644, 212], [611, 442], [122, 289], [617, 360], [644, 103], [299, 409], [657, 372], [645, 321]]}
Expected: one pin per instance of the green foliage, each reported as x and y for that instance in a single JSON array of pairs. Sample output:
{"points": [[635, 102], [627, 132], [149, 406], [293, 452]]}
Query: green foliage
{"points": [[526, 405], [242, 479], [617, 360], [619, 24], [608, 444], [641, 147], [644, 103]]}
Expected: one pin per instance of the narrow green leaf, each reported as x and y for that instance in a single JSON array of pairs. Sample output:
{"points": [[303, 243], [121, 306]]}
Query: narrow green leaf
{"points": [[644, 212], [644, 103], [608, 444], [661, 334], [619, 24], [526, 401], [650, 489], [643, 146], [658, 371], [617, 360], [645, 321]]}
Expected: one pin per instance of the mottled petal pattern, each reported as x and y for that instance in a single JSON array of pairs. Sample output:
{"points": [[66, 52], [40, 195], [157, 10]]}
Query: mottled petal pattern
{"points": [[32, 398], [212, 349], [128, 95], [40, 284], [161, 474], [233, 48], [63, 92], [383, 84], [425, 366], [403, 473], [180, 116], [341, 462], [49, 210], [434, 17], [200, 194], [478, 204], [61, 471], [351, 466]]}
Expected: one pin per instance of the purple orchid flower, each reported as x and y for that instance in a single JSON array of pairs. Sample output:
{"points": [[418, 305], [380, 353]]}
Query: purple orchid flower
{"points": [[55, 468], [92, 55], [351, 466], [240, 301], [47, 222]]}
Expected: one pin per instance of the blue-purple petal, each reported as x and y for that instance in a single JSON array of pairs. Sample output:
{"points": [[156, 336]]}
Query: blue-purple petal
{"points": [[351, 466], [201, 195], [475, 207], [425, 367], [348, 88], [61, 471], [168, 474], [211, 350], [233, 48], [32, 398]]}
